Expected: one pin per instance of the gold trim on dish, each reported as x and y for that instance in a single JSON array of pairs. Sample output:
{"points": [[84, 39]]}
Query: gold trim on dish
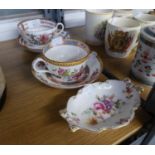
{"points": [[101, 63]]}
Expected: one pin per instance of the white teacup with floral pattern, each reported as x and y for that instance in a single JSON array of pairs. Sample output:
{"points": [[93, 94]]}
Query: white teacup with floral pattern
{"points": [[66, 62], [39, 31]]}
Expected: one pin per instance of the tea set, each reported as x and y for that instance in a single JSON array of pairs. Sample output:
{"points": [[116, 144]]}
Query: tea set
{"points": [[59, 69], [66, 63]]}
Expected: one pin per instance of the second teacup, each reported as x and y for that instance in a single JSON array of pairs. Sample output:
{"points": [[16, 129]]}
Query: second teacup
{"points": [[66, 62], [39, 31]]}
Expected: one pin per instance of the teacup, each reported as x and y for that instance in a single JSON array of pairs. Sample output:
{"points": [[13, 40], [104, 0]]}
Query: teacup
{"points": [[145, 19], [65, 62], [39, 31], [122, 35]]}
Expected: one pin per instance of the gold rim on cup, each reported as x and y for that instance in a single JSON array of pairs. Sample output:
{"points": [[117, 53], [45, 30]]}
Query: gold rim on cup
{"points": [[70, 63]]}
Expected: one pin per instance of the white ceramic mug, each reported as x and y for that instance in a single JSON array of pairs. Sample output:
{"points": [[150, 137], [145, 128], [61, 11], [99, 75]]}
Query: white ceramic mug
{"points": [[95, 25], [145, 19], [65, 62], [121, 36]]}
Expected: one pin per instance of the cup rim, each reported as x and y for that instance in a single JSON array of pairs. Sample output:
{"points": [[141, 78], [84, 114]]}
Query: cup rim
{"points": [[146, 36], [138, 17], [92, 11], [69, 63], [123, 10], [137, 24], [26, 20]]}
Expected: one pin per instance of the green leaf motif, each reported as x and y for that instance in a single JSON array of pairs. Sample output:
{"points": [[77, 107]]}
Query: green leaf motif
{"points": [[73, 114], [88, 111]]}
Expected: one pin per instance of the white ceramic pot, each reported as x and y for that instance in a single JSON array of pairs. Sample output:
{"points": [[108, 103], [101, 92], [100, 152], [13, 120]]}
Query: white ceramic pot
{"points": [[143, 66], [121, 36], [145, 19], [96, 21], [66, 62]]}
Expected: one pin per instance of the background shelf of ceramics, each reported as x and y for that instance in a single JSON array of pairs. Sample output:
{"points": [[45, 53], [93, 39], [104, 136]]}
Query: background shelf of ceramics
{"points": [[10, 18], [75, 18]]}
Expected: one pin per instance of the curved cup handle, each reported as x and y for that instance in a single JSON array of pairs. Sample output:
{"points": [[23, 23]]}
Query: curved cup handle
{"points": [[59, 30], [92, 55], [129, 82], [38, 64]]}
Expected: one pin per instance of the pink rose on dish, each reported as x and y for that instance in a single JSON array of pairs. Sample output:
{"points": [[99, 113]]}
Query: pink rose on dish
{"points": [[99, 106], [105, 106]]}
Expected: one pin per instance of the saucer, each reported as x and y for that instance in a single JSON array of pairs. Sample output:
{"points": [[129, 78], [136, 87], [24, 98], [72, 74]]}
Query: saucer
{"points": [[31, 48], [39, 48], [102, 105], [92, 72]]}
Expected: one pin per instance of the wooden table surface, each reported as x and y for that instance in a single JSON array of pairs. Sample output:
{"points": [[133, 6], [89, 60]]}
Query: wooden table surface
{"points": [[30, 114]]}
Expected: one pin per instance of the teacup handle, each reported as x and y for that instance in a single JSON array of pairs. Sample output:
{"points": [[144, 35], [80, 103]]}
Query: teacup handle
{"points": [[92, 55], [60, 30], [35, 65]]}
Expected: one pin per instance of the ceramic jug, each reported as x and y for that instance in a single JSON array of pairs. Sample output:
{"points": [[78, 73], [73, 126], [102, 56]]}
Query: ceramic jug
{"points": [[143, 66]]}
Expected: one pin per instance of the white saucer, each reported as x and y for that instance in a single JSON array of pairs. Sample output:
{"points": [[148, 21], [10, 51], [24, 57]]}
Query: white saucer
{"points": [[30, 47], [39, 48], [92, 71]]}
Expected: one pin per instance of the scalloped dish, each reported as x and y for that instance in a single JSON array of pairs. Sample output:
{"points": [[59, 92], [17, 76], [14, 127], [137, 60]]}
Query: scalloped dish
{"points": [[102, 105]]}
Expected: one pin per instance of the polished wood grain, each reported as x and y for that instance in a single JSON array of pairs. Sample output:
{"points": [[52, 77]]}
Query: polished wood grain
{"points": [[30, 114]]}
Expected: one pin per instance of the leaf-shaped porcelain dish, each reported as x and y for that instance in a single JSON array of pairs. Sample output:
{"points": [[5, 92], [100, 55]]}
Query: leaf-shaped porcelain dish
{"points": [[102, 105]]}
